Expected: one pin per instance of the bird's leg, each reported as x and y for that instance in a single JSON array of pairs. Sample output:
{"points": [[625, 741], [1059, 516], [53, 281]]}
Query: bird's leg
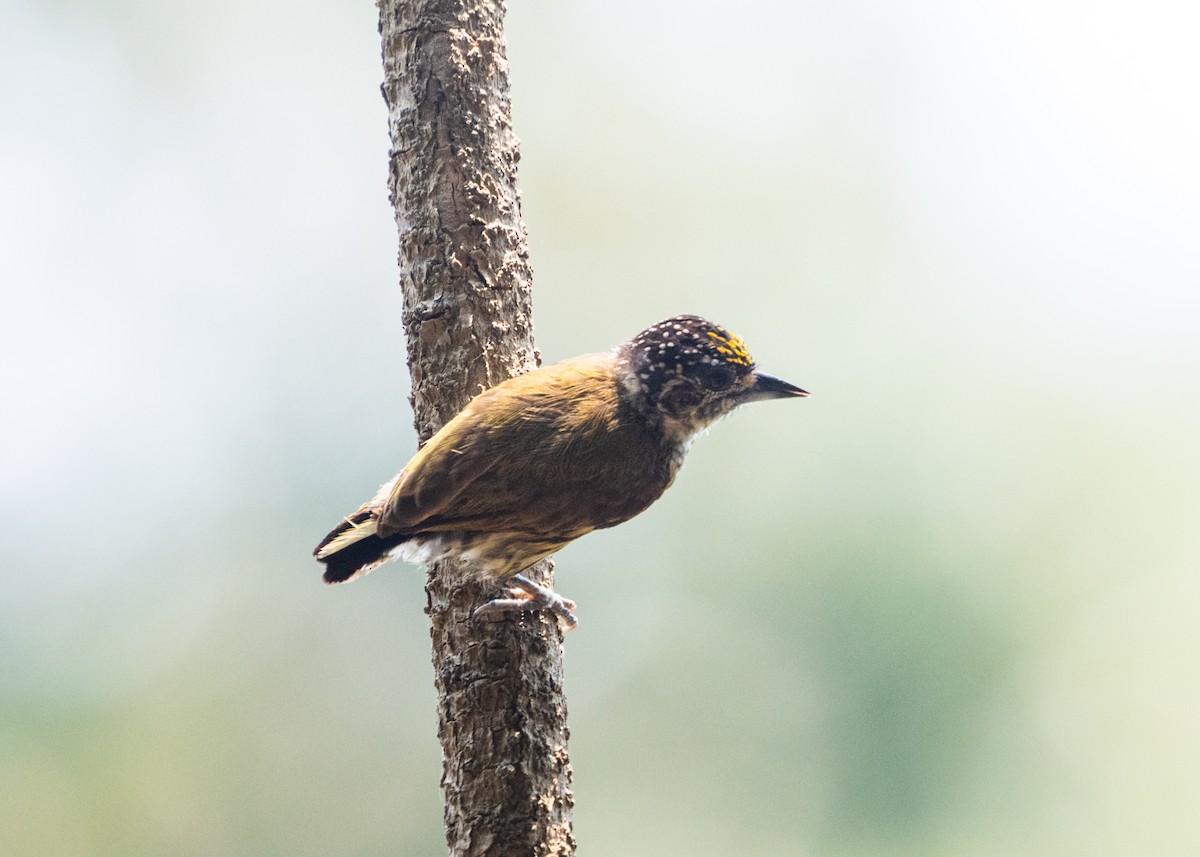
{"points": [[525, 595]]}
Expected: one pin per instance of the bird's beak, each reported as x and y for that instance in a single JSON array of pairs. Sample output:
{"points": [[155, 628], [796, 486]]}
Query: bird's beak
{"points": [[769, 387]]}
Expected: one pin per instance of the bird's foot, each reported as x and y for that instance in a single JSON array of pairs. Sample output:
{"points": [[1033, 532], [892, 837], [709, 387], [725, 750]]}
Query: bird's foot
{"points": [[527, 596]]}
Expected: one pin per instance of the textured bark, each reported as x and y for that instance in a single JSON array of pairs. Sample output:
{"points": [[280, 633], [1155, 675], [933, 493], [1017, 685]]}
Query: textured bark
{"points": [[466, 281]]}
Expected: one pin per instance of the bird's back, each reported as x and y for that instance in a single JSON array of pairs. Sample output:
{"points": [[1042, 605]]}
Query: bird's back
{"points": [[554, 453]]}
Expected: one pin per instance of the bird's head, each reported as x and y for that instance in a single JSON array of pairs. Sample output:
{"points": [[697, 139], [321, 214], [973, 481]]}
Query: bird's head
{"points": [[687, 373]]}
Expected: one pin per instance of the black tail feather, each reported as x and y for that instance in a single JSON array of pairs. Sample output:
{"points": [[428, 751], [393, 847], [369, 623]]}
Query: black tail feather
{"points": [[358, 558]]}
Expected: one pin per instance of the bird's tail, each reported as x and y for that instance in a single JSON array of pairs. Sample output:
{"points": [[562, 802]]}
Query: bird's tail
{"points": [[353, 547]]}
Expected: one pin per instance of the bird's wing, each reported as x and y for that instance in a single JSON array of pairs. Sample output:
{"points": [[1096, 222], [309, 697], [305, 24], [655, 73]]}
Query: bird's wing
{"points": [[511, 459], [437, 476]]}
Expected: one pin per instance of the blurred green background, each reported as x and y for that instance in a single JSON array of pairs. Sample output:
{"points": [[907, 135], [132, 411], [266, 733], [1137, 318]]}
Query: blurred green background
{"points": [[946, 606]]}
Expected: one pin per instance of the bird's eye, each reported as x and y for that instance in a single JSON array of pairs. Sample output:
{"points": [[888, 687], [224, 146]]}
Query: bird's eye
{"points": [[679, 398], [715, 376]]}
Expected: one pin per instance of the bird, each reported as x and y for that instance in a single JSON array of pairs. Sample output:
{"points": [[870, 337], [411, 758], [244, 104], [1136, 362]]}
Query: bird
{"points": [[545, 457]]}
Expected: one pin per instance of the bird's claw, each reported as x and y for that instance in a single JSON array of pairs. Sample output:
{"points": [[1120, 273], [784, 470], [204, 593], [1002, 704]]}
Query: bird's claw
{"points": [[528, 596]]}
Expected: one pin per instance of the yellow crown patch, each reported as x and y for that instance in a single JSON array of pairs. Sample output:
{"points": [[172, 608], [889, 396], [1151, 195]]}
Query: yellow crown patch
{"points": [[731, 347]]}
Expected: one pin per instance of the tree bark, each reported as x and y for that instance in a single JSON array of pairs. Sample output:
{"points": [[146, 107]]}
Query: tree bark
{"points": [[465, 275]]}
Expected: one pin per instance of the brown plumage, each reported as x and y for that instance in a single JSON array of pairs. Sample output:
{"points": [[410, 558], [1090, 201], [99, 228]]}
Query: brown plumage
{"points": [[546, 457]]}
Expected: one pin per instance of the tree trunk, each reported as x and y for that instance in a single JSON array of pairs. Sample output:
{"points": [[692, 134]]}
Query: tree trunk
{"points": [[465, 274]]}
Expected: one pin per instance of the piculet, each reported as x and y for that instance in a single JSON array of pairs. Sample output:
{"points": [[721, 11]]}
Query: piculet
{"points": [[543, 458]]}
